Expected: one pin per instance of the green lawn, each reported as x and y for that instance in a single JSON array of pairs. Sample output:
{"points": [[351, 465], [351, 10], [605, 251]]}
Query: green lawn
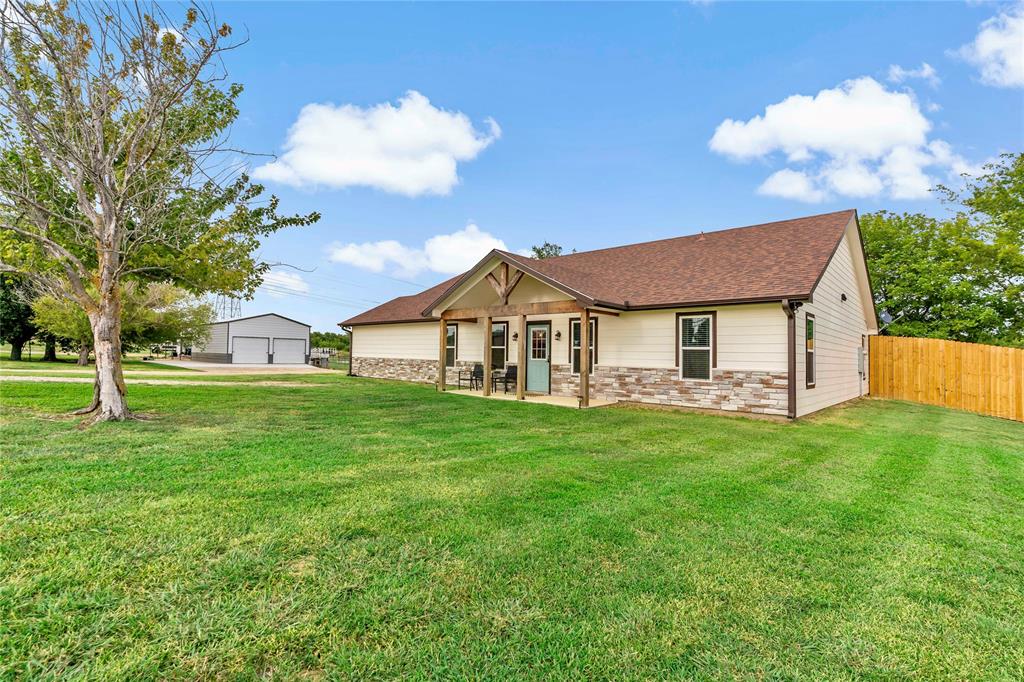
{"points": [[375, 529], [66, 362]]}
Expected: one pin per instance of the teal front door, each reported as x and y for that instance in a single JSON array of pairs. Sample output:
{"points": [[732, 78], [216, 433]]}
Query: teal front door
{"points": [[538, 357]]}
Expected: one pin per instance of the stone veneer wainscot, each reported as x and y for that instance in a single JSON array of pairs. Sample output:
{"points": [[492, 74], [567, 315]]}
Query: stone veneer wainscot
{"points": [[756, 392], [402, 369]]}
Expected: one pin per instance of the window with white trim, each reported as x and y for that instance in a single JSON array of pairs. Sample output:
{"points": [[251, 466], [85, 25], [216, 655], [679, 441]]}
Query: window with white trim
{"points": [[499, 345], [809, 349], [695, 346], [574, 334], [451, 342]]}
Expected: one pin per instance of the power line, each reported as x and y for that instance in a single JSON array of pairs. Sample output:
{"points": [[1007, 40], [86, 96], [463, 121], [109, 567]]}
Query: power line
{"points": [[309, 295], [364, 285], [271, 289]]}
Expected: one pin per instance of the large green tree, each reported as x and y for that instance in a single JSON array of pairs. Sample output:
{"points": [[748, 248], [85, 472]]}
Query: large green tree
{"points": [[959, 277], [114, 165], [16, 326]]}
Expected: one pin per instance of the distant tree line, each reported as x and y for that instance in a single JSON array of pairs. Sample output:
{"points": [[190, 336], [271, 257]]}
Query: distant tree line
{"points": [[328, 340], [153, 314]]}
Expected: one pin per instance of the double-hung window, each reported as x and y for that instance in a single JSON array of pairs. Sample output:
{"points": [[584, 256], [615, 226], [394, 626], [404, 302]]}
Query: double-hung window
{"points": [[499, 345], [809, 349], [451, 342], [696, 345], [574, 347]]}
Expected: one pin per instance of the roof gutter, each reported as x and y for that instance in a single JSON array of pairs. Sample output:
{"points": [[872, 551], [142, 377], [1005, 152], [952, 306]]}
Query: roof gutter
{"points": [[348, 330], [790, 307]]}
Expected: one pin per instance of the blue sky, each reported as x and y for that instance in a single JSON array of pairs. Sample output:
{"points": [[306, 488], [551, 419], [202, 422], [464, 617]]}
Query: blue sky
{"points": [[427, 133]]}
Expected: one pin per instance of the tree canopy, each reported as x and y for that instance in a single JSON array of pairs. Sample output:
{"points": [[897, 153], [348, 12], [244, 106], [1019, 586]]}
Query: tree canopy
{"points": [[114, 162], [152, 313], [959, 277], [546, 250], [16, 327]]}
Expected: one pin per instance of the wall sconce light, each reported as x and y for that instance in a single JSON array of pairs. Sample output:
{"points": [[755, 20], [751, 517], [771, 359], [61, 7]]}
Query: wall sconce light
{"points": [[558, 335], [515, 336]]}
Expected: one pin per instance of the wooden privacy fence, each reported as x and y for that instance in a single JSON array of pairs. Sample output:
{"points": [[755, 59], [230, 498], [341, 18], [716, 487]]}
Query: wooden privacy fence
{"points": [[966, 376]]}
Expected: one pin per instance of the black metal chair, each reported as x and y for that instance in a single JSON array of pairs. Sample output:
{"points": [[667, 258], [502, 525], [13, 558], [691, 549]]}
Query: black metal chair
{"points": [[509, 376], [474, 377]]}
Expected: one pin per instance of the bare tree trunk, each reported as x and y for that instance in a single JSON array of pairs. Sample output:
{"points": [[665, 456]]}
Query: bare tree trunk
{"points": [[106, 331], [16, 349], [50, 354], [83, 354]]}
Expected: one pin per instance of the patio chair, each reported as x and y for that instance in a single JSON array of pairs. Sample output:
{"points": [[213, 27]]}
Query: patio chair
{"points": [[508, 377], [474, 377]]}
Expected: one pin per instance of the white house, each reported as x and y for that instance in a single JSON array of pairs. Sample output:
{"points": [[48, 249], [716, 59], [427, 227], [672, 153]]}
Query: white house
{"points": [[257, 340], [770, 319]]}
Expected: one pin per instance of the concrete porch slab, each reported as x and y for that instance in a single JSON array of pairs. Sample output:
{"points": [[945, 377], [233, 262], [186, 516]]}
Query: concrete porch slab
{"points": [[558, 400]]}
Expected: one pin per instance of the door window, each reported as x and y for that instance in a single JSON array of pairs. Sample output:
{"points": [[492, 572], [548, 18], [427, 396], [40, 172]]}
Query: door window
{"points": [[539, 344]]}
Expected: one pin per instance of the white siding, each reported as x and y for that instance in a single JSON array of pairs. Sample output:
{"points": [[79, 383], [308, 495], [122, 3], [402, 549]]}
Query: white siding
{"points": [[839, 326], [471, 342], [218, 341], [413, 341], [270, 326], [750, 337]]}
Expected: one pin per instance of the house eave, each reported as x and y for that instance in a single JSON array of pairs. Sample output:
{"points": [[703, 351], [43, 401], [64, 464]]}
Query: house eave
{"points": [[509, 258]]}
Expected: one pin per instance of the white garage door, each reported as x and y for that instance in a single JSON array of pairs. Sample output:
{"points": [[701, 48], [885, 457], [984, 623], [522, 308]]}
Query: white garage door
{"points": [[250, 350], [289, 351]]}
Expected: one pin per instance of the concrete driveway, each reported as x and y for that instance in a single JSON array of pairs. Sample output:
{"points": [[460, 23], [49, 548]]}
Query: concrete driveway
{"points": [[226, 368]]}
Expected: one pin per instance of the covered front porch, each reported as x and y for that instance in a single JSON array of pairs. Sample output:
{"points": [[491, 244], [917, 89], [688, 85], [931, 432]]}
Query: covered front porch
{"points": [[501, 300], [541, 399]]}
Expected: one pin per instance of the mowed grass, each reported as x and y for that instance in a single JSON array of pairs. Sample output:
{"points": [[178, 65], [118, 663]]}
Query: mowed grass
{"points": [[366, 529], [65, 363]]}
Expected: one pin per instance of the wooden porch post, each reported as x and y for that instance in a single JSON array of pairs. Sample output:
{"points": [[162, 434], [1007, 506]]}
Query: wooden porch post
{"points": [[487, 355], [521, 369], [585, 358], [441, 378]]}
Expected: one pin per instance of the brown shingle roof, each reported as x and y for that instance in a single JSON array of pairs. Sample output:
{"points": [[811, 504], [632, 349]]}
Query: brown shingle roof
{"points": [[771, 261], [403, 308]]}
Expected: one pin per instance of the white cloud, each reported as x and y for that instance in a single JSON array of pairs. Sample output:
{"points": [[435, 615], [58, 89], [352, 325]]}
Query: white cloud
{"points": [[278, 283], [943, 154], [852, 178], [859, 117], [926, 72], [791, 184], [413, 148], [448, 254], [856, 140], [903, 171], [998, 49]]}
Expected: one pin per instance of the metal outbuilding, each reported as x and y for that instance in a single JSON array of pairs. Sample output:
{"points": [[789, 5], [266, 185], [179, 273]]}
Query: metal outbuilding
{"points": [[256, 340]]}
